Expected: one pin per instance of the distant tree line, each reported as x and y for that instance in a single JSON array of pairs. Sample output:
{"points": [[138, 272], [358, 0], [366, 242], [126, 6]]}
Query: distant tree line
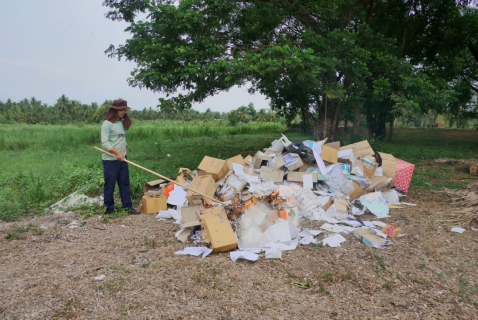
{"points": [[64, 111]]}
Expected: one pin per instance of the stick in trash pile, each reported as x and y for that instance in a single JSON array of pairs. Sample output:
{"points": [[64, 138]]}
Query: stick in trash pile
{"points": [[161, 176]]}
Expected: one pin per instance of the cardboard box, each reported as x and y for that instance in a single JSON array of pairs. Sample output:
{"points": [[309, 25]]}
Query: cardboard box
{"points": [[259, 158], [330, 152], [217, 168], [271, 174], [391, 231], [249, 171], [184, 174], [217, 230], [306, 166], [388, 163], [203, 184], [237, 159], [297, 164], [277, 162], [335, 145], [248, 160], [360, 149], [379, 184], [153, 205], [357, 191], [228, 195], [370, 238], [327, 205], [369, 170], [299, 176], [235, 182], [190, 216], [152, 188], [404, 174]]}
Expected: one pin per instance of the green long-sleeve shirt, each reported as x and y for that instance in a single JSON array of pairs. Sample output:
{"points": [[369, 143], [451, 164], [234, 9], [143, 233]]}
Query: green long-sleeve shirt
{"points": [[113, 136]]}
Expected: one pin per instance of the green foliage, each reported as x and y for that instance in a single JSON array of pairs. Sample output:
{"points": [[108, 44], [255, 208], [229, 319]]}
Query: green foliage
{"points": [[55, 161], [309, 59]]}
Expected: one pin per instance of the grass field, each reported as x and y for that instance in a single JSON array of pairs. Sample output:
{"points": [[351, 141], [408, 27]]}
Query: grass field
{"points": [[42, 164]]}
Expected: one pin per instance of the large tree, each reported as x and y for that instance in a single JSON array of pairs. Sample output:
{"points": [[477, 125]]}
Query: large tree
{"points": [[308, 57]]}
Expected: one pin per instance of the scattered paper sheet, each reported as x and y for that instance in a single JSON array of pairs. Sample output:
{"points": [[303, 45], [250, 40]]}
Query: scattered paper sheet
{"points": [[170, 213], [317, 150], [307, 181], [353, 223], [369, 224], [457, 230], [243, 255], [195, 251], [334, 241], [378, 233], [356, 211], [347, 154], [289, 159], [281, 232], [379, 224], [307, 240], [391, 196], [273, 253], [377, 209], [177, 197]]}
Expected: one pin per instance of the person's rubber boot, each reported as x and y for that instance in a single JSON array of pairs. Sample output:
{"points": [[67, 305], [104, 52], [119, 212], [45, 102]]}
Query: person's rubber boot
{"points": [[133, 211], [109, 212]]}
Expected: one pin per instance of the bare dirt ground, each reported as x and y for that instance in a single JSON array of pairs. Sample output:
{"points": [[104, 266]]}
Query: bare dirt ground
{"points": [[431, 273]]}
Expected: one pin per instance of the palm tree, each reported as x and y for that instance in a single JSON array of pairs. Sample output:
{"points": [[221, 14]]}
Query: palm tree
{"points": [[243, 114], [261, 116]]}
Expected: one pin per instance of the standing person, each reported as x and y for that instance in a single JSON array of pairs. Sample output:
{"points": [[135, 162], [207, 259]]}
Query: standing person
{"points": [[115, 169]]}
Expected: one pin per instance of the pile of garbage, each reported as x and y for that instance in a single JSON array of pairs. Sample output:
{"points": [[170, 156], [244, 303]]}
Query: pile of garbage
{"points": [[257, 203]]}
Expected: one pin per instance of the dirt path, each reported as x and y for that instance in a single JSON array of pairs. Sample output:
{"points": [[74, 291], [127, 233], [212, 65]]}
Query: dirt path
{"points": [[430, 273]]}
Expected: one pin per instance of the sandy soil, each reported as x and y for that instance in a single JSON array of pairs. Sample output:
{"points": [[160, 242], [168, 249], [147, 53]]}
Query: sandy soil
{"points": [[50, 274]]}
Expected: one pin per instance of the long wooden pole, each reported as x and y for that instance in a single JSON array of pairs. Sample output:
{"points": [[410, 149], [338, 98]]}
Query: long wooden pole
{"points": [[161, 176]]}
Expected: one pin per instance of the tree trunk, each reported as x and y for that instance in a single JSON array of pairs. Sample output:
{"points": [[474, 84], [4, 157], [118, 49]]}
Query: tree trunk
{"points": [[390, 134], [325, 125], [355, 136]]}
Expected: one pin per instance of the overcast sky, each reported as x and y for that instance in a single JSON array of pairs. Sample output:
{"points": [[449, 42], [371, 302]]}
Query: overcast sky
{"points": [[54, 47]]}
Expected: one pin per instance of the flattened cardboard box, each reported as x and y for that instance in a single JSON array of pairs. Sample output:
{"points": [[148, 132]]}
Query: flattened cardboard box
{"points": [[357, 191], [153, 205], [152, 188], [370, 238], [297, 164], [299, 176], [217, 168], [388, 163], [190, 216], [217, 230], [237, 159], [202, 184], [360, 149], [272, 174]]}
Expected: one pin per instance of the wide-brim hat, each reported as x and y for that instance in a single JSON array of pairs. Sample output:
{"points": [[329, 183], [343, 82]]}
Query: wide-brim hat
{"points": [[119, 104]]}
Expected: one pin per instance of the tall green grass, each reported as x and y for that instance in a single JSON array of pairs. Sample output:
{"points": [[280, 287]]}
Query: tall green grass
{"points": [[42, 164]]}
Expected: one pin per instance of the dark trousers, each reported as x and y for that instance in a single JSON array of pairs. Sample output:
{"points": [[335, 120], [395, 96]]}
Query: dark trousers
{"points": [[116, 172]]}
